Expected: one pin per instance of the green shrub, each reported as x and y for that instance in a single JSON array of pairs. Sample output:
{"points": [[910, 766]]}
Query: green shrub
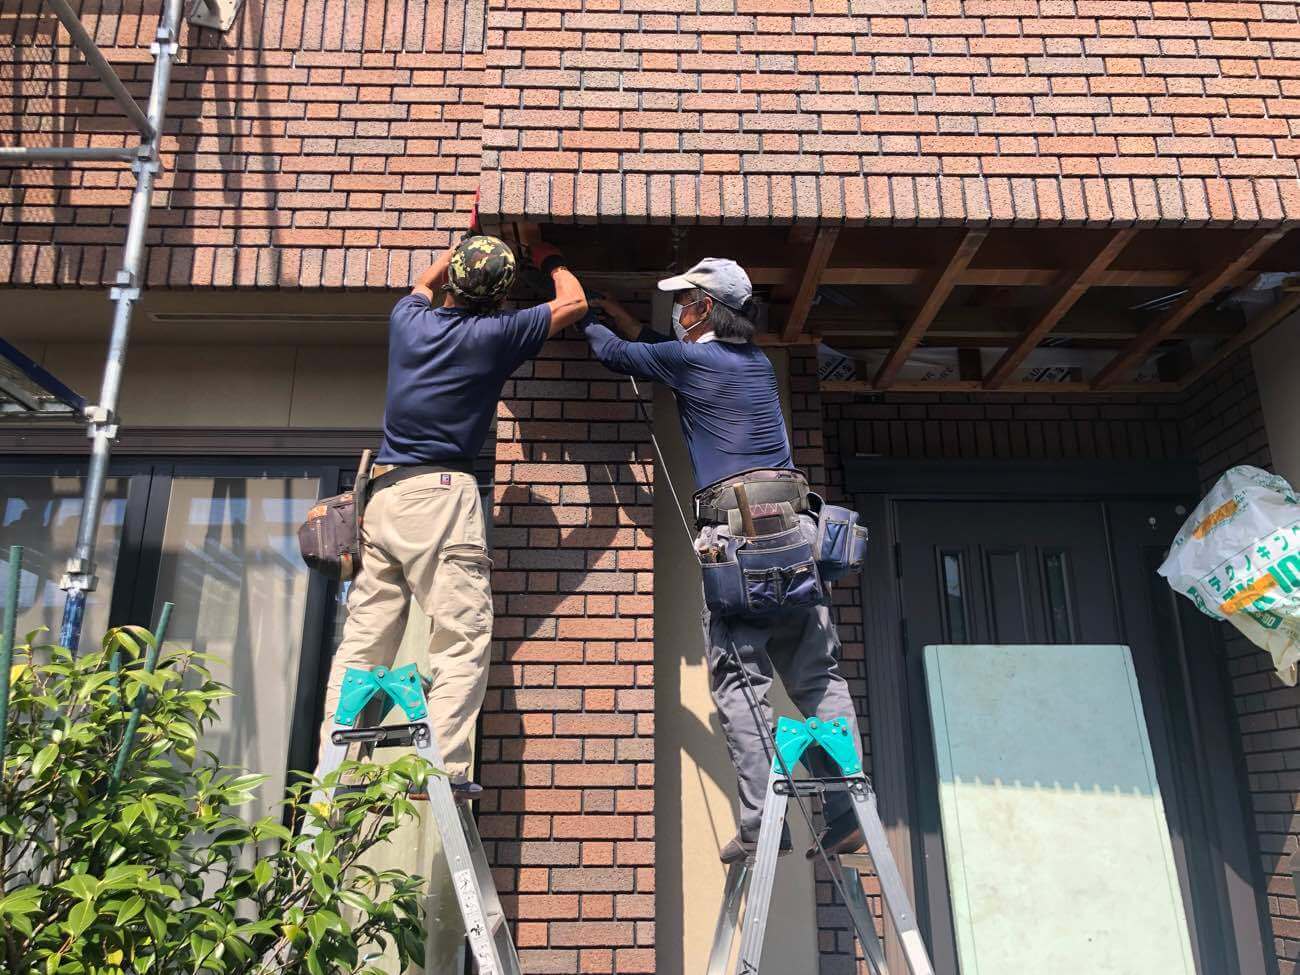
{"points": [[158, 874]]}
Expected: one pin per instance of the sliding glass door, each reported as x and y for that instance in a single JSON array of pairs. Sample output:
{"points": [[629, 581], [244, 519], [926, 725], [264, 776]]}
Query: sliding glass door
{"points": [[219, 541], [228, 561], [41, 513]]}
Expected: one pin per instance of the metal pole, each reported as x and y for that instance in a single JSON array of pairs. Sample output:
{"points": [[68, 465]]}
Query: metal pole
{"points": [[86, 43], [7, 641], [35, 154], [137, 706], [80, 576]]}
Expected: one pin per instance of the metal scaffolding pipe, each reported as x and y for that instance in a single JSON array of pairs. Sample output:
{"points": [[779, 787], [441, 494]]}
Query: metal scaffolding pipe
{"points": [[80, 577], [24, 154], [107, 75]]}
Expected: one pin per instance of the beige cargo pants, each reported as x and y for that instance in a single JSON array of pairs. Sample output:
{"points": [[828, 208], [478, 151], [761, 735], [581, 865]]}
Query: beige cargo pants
{"points": [[424, 537]]}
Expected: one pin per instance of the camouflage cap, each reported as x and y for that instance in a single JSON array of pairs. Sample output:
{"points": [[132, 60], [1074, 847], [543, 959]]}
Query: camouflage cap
{"points": [[482, 270]]}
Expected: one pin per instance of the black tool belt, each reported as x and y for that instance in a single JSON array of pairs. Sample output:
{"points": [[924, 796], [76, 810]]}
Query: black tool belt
{"points": [[396, 474], [794, 547], [714, 503]]}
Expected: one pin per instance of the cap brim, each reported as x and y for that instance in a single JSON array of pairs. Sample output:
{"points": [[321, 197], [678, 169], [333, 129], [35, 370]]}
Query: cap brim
{"points": [[679, 283]]}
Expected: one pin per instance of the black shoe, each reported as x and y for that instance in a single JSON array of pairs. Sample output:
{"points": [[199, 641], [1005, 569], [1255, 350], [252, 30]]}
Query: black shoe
{"points": [[738, 848], [460, 791], [842, 834]]}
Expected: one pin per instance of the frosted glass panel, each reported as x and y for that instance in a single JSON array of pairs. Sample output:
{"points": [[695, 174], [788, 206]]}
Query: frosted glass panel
{"points": [[1054, 830], [231, 565], [41, 513]]}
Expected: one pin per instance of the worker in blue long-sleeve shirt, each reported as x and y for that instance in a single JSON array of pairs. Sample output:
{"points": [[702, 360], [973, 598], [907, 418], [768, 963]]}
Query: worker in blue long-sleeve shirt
{"points": [[730, 408]]}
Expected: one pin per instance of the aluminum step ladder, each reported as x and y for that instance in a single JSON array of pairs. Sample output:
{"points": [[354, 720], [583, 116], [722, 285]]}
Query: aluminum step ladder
{"points": [[752, 880], [486, 926]]}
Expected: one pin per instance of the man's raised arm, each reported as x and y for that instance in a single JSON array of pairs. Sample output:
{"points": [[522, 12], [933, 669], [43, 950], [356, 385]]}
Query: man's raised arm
{"points": [[431, 281], [570, 302]]}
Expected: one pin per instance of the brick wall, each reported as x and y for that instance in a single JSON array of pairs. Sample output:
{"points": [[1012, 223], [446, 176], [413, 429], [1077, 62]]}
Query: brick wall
{"points": [[315, 146], [568, 725], [835, 937], [1226, 427], [898, 111], [311, 146]]}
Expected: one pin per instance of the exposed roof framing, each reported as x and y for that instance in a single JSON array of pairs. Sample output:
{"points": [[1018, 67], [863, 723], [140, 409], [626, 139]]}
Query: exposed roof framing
{"points": [[819, 255], [1046, 302], [937, 292], [1199, 292], [1247, 336], [1062, 302]]}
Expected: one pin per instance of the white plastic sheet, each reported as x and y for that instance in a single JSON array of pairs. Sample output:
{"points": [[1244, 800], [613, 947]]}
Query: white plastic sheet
{"points": [[1238, 558]]}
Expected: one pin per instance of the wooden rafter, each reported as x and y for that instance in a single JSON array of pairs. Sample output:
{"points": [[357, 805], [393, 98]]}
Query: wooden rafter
{"points": [[1199, 292], [1253, 331], [819, 256], [976, 386], [1063, 301], [939, 289]]}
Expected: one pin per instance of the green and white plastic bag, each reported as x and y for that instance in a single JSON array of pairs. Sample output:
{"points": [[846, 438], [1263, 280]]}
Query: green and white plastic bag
{"points": [[1238, 558]]}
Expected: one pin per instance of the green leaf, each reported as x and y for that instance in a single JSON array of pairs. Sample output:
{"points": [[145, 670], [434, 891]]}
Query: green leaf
{"points": [[80, 917], [26, 900], [44, 758], [157, 922], [81, 887], [128, 910]]}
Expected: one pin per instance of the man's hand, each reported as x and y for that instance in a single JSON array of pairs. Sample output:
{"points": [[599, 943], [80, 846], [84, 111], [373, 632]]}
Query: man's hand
{"points": [[539, 252], [622, 319], [570, 302], [431, 281]]}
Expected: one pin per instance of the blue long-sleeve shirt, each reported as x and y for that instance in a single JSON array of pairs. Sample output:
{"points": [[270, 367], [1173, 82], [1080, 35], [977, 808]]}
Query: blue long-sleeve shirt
{"points": [[727, 397]]}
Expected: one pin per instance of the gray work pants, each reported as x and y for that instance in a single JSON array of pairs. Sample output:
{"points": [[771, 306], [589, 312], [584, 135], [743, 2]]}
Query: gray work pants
{"points": [[801, 646]]}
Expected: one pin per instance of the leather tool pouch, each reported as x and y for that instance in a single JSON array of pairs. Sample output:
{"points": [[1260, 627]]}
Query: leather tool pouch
{"points": [[841, 542], [330, 538]]}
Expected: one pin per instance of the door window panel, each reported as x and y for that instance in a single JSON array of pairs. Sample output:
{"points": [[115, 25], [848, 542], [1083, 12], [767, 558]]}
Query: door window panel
{"points": [[41, 513], [954, 600], [1060, 618], [230, 564]]}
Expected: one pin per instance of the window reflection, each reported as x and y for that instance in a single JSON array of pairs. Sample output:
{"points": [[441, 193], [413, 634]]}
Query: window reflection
{"points": [[230, 564], [954, 600], [41, 513], [1060, 619]]}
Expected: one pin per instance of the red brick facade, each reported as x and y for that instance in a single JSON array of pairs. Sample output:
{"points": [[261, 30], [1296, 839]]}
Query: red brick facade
{"points": [[893, 111], [311, 146], [568, 727], [340, 146], [1225, 427], [314, 147]]}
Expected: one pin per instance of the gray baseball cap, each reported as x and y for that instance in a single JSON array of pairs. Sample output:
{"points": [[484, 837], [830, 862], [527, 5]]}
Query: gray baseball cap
{"points": [[720, 278]]}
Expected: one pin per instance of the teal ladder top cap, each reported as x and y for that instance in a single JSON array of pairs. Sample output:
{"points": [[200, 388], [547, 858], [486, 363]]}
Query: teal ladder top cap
{"points": [[793, 738], [401, 686]]}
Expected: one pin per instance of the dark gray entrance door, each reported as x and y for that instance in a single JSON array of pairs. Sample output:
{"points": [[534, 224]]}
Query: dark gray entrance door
{"points": [[1042, 571]]}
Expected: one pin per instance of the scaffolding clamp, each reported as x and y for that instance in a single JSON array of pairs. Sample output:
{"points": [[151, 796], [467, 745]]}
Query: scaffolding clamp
{"points": [[100, 420], [146, 160], [78, 577], [165, 42], [124, 287]]}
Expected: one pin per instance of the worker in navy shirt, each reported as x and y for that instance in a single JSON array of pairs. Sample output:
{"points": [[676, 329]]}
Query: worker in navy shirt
{"points": [[730, 408], [450, 350]]}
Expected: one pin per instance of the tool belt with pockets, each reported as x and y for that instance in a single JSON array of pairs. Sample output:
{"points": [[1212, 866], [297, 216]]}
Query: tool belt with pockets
{"points": [[330, 538], [765, 558]]}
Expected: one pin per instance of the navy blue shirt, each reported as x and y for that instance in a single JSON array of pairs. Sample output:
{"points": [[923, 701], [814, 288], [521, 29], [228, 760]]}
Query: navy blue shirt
{"points": [[727, 398], [446, 367]]}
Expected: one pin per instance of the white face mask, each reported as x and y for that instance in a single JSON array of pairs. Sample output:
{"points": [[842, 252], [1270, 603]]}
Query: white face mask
{"points": [[678, 329]]}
